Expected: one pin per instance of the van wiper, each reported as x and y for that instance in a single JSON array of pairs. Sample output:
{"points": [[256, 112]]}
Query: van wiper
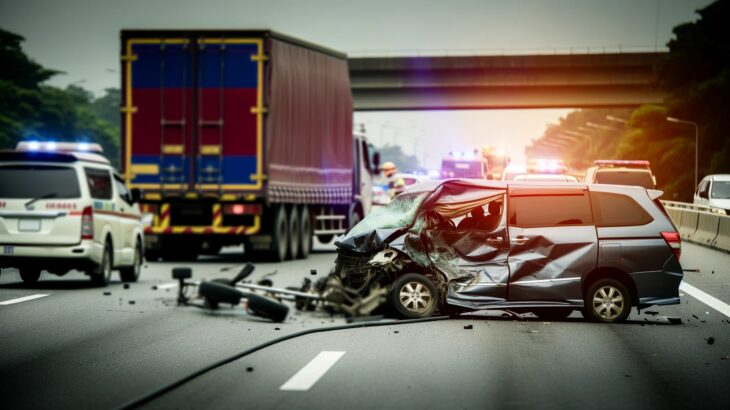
{"points": [[46, 196]]}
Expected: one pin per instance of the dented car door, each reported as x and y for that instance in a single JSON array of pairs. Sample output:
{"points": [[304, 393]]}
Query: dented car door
{"points": [[553, 243]]}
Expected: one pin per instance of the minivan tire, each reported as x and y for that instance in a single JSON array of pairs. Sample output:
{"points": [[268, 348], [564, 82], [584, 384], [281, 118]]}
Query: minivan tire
{"points": [[131, 273], [608, 301], [101, 275], [30, 275], [413, 296]]}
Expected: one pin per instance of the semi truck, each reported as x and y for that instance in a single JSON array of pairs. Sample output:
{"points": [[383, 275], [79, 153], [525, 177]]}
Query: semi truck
{"points": [[240, 137]]}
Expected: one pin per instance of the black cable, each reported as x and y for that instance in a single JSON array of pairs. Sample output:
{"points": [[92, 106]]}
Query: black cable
{"points": [[174, 385]]}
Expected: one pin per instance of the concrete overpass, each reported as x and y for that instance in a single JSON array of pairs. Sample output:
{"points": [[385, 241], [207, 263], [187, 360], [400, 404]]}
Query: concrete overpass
{"points": [[500, 82]]}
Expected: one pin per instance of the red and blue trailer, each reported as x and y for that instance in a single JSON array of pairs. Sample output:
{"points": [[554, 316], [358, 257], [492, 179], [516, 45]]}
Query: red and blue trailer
{"points": [[239, 136]]}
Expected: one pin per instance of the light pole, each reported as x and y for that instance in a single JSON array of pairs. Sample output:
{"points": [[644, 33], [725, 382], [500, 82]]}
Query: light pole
{"points": [[697, 140]]}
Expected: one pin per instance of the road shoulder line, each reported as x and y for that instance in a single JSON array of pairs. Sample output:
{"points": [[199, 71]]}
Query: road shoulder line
{"points": [[705, 298], [23, 299]]}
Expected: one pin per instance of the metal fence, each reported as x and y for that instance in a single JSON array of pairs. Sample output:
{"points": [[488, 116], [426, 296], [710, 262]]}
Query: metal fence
{"points": [[700, 224]]}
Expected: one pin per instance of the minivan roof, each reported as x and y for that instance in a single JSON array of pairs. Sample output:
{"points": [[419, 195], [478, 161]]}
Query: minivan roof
{"points": [[51, 156]]}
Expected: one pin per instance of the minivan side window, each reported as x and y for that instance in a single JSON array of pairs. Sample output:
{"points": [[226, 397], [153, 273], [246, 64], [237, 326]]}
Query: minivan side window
{"points": [[100, 183], [611, 209], [702, 191], [550, 210], [122, 190]]}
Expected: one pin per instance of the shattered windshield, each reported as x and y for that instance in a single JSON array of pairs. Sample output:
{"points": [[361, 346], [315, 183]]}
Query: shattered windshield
{"points": [[400, 212]]}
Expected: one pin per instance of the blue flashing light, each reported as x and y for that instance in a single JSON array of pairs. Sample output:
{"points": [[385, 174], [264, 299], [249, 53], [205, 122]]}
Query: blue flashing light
{"points": [[83, 146], [34, 145], [51, 146]]}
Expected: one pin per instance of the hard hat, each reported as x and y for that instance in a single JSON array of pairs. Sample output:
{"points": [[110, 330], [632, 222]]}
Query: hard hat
{"points": [[387, 166]]}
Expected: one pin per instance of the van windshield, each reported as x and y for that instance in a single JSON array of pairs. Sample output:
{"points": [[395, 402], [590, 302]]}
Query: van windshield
{"points": [[636, 178], [34, 181], [720, 190]]}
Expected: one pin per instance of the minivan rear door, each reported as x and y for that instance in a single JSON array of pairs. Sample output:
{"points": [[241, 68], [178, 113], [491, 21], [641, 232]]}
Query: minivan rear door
{"points": [[553, 243], [39, 204]]}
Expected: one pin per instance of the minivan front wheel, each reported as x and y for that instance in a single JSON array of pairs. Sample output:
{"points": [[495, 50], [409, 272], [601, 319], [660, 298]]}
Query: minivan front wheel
{"points": [[607, 300], [413, 296]]}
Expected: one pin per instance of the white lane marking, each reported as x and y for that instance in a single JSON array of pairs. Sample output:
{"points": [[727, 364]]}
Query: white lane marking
{"points": [[23, 299], [703, 297], [167, 286], [305, 378]]}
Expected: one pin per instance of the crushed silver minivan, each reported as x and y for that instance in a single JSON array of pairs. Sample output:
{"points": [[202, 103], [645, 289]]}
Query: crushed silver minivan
{"points": [[546, 248]]}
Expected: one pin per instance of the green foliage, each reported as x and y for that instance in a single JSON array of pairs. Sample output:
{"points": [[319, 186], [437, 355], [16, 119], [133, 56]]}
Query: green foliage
{"points": [[29, 109]]}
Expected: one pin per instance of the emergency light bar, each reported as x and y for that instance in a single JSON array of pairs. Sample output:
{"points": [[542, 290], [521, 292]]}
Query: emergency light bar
{"points": [[59, 146], [621, 163]]}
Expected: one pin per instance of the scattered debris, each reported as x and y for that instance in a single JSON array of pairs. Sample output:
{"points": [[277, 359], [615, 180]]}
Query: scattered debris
{"points": [[651, 312], [627, 375], [695, 316], [131, 302], [469, 327], [710, 340], [675, 320], [313, 272], [534, 331], [725, 358], [107, 293], [276, 328], [395, 331], [154, 287], [126, 286], [249, 369]]}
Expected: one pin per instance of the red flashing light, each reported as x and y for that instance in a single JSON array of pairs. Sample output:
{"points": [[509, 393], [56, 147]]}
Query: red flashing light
{"points": [[674, 242], [622, 162]]}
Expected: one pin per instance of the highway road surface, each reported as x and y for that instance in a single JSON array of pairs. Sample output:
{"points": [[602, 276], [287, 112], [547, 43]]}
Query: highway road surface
{"points": [[66, 344]]}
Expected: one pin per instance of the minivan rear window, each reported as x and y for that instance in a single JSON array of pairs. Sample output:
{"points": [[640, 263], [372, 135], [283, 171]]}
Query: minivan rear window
{"points": [[550, 210], [35, 181], [635, 178], [611, 209]]}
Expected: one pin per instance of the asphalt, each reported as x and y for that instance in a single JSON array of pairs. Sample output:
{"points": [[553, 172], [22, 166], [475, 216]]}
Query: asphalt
{"points": [[80, 348]]}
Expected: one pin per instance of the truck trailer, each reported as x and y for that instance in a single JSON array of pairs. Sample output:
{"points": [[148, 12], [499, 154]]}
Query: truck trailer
{"points": [[240, 137]]}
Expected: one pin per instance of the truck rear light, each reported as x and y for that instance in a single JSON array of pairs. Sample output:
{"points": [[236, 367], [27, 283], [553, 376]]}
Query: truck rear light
{"points": [[242, 209], [674, 242], [87, 223]]}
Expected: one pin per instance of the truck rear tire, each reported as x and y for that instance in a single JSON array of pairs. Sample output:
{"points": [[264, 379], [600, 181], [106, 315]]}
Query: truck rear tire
{"points": [[279, 248], [294, 232], [305, 232]]}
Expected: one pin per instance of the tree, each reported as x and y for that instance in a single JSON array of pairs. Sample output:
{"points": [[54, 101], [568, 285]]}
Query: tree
{"points": [[31, 110]]}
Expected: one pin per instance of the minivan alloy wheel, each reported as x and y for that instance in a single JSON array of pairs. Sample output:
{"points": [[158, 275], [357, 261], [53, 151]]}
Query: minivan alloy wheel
{"points": [[608, 302], [415, 297]]}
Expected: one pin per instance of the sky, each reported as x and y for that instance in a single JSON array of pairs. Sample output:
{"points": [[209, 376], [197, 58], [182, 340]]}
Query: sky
{"points": [[81, 38]]}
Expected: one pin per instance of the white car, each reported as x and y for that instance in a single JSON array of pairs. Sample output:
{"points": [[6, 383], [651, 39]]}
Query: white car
{"points": [[63, 207], [714, 191], [621, 172]]}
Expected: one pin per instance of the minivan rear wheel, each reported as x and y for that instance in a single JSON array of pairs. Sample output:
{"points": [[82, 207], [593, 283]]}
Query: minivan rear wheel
{"points": [[608, 301], [413, 296], [30, 275], [102, 274]]}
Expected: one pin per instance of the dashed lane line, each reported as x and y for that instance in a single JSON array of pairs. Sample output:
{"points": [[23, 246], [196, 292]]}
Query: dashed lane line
{"points": [[23, 299], [308, 375], [703, 297]]}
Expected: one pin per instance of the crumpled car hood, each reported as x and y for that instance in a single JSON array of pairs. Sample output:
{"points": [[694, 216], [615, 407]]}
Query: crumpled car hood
{"points": [[366, 242]]}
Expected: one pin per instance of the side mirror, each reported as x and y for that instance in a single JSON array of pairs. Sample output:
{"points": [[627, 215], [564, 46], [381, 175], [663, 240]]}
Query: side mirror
{"points": [[136, 195], [376, 163]]}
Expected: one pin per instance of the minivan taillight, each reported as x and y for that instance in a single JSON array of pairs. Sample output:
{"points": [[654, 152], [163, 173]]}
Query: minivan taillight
{"points": [[87, 223], [674, 242]]}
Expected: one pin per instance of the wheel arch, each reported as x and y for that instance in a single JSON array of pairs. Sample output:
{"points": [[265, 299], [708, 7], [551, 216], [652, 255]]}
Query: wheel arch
{"points": [[611, 273]]}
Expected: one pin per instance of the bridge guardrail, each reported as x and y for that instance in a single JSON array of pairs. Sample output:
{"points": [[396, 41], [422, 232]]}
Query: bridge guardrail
{"points": [[700, 224]]}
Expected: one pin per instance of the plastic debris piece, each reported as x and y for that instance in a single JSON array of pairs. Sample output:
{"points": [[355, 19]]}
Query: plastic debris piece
{"points": [[725, 358], [154, 287], [107, 293], [627, 375], [126, 286], [651, 312], [131, 302], [534, 331], [249, 369], [710, 340], [313, 272], [395, 331], [469, 327], [276, 328], [695, 316], [675, 320]]}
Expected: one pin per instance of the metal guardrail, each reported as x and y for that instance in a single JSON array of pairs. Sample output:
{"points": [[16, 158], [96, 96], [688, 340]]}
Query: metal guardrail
{"points": [[700, 224]]}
